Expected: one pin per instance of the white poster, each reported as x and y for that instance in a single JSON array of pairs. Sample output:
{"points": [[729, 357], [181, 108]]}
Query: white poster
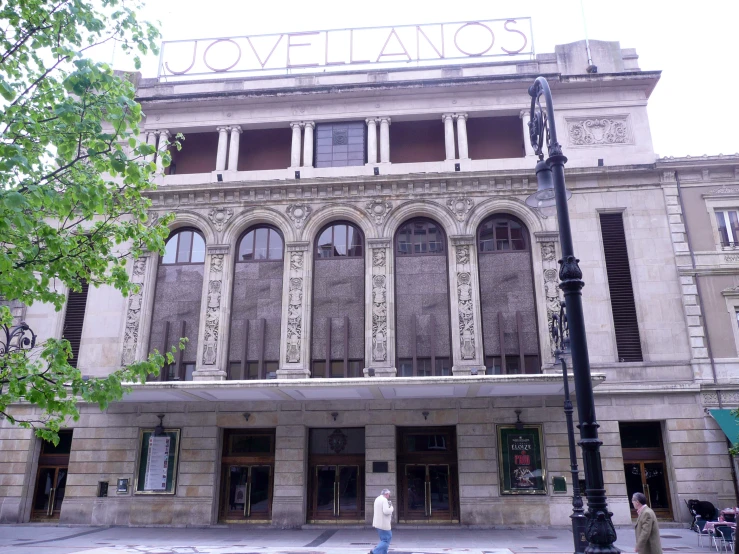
{"points": [[157, 464]]}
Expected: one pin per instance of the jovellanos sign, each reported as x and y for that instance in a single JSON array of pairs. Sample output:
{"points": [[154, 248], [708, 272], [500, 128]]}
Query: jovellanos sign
{"points": [[337, 49]]}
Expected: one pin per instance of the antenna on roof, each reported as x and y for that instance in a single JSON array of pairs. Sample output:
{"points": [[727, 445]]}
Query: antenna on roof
{"points": [[592, 68]]}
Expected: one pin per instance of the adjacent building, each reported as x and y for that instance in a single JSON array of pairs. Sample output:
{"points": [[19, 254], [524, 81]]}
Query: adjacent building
{"points": [[367, 299]]}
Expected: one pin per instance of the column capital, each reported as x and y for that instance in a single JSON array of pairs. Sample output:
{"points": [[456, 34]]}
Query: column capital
{"points": [[302, 246], [380, 243], [162, 132], [384, 119], [222, 128], [296, 124], [524, 113], [462, 116], [446, 116], [236, 128], [372, 120], [309, 124]]}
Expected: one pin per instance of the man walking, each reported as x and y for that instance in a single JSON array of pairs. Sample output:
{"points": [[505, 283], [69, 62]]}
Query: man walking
{"points": [[647, 530], [381, 521]]}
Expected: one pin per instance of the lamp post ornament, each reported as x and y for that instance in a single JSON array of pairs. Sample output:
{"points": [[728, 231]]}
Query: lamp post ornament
{"points": [[552, 191]]}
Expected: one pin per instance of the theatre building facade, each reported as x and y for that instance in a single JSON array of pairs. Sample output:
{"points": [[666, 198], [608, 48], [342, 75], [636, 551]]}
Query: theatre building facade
{"points": [[367, 300]]}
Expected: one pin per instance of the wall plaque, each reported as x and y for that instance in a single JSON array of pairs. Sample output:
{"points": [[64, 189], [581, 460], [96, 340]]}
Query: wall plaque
{"points": [[157, 467], [521, 460]]}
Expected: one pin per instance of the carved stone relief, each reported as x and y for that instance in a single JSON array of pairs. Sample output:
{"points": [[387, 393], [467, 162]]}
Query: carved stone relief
{"points": [[725, 190], [378, 209], [551, 283], [463, 255], [152, 218], [460, 206], [133, 313], [378, 257], [466, 317], [379, 317], [294, 318], [298, 213], [213, 310], [599, 130], [219, 217]]}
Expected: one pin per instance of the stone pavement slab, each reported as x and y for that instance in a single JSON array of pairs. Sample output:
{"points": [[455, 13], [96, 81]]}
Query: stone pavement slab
{"points": [[35, 538]]}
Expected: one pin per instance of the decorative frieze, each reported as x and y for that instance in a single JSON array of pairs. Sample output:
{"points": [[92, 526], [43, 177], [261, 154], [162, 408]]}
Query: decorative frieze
{"points": [[465, 303], [213, 310], [294, 318], [599, 131], [379, 318], [551, 283], [378, 209], [380, 349], [725, 190], [133, 313]]}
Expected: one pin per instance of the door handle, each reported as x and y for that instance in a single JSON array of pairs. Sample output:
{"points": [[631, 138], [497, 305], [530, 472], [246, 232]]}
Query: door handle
{"points": [[428, 498], [52, 497], [649, 496], [248, 499]]}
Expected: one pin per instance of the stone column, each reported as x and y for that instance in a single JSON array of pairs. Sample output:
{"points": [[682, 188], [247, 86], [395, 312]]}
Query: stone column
{"points": [[462, 135], [151, 140], [448, 120], [138, 310], [385, 140], [212, 354], [296, 313], [233, 148], [379, 315], [162, 145], [379, 443], [295, 149], [289, 490], [308, 144], [467, 348], [371, 140], [222, 148], [525, 116]]}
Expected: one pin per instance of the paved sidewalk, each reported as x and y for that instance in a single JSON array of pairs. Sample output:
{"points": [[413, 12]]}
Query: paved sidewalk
{"points": [[33, 539]]}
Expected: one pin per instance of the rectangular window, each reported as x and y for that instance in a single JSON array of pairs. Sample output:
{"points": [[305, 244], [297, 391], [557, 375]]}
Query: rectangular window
{"points": [[74, 318], [340, 144], [424, 368], [494, 365], [251, 371], [728, 227], [618, 270]]}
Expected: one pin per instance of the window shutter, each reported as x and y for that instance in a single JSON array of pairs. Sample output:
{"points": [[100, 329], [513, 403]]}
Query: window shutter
{"points": [[73, 320], [620, 287]]}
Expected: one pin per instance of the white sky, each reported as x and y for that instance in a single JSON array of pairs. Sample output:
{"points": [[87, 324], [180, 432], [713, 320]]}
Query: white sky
{"points": [[694, 44]]}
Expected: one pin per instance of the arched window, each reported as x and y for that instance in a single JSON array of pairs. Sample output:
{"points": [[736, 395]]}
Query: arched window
{"points": [[184, 247], [340, 240], [502, 233], [261, 243], [419, 237]]}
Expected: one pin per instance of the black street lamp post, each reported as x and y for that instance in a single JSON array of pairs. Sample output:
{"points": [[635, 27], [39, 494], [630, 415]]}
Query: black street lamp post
{"points": [[561, 340], [550, 175]]}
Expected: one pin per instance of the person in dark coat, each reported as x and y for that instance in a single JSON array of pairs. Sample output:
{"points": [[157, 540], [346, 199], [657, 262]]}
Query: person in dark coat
{"points": [[647, 529]]}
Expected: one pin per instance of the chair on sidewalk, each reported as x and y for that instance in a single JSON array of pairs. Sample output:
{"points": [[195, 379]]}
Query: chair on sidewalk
{"points": [[699, 527], [728, 535], [719, 535]]}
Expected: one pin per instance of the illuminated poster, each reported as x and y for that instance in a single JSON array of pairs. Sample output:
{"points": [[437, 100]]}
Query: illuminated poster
{"points": [[157, 464], [521, 460]]}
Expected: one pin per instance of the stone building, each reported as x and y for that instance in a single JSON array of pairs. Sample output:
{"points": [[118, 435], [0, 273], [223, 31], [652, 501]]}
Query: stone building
{"points": [[367, 300]]}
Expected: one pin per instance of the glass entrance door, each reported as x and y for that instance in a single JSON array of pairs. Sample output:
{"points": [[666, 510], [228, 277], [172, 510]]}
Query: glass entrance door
{"points": [[51, 484], [650, 479], [247, 493], [427, 492], [336, 493]]}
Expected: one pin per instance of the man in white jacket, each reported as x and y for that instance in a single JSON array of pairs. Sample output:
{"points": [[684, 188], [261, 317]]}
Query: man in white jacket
{"points": [[381, 521]]}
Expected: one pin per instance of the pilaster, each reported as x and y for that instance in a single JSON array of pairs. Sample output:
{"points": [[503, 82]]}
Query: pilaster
{"points": [[547, 244], [296, 313], [380, 309], [151, 140], [466, 316], [212, 354], [138, 310]]}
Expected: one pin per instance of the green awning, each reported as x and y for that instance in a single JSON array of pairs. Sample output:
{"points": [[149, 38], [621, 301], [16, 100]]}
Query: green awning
{"points": [[729, 424]]}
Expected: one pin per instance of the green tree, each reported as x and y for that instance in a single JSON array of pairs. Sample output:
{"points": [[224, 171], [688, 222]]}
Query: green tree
{"points": [[73, 178]]}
